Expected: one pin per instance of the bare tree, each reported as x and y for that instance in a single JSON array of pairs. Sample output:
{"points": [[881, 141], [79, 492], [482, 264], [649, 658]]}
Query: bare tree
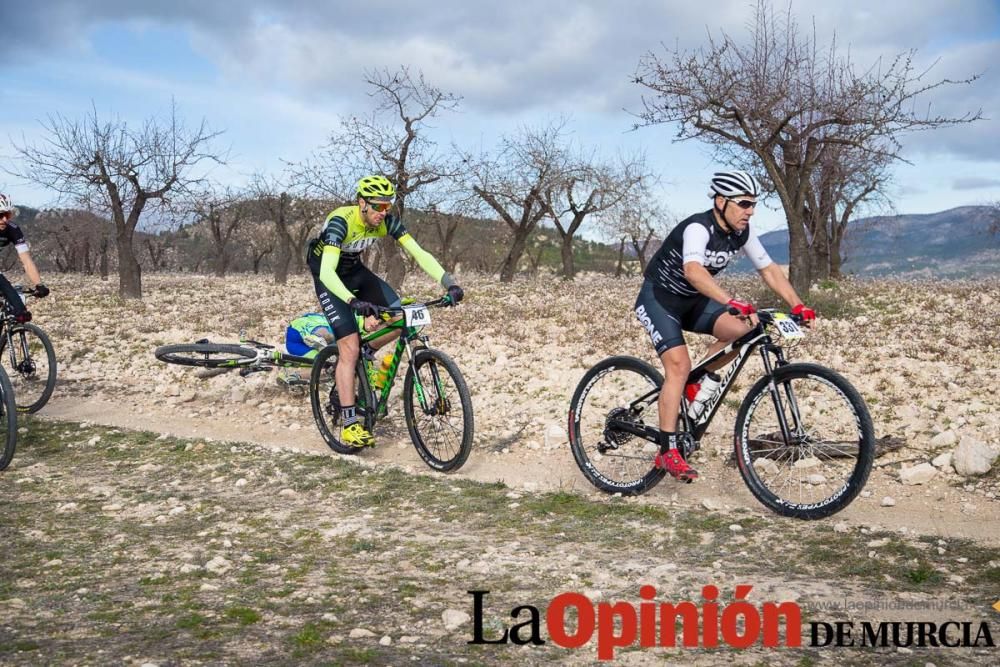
{"points": [[221, 213], [514, 183], [76, 246], [157, 249], [110, 166], [844, 180], [780, 102], [392, 140], [642, 228], [589, 187], [259, 245], [275, 205]]}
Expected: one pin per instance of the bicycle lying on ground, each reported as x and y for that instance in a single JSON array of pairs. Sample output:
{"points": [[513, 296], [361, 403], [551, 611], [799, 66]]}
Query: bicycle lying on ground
{"points": [[27, 355], [436, 401], [247, 356], [804, 441]]}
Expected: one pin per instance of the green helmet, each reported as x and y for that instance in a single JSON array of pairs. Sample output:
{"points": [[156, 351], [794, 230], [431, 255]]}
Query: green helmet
{"points": [[376, 188]]}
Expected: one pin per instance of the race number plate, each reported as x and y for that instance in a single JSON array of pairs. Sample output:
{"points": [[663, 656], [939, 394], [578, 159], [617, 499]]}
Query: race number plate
{"points": [[787, 327], [417, 316]]}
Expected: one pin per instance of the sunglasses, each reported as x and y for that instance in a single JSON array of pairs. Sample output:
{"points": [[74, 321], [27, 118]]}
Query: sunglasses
{"points": [[380, 206], [743, 203]]}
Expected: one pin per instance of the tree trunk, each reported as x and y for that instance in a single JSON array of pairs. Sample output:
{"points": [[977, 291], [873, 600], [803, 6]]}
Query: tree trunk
{"points": [[799, 272], [104, 260], [509, 266], [820, 260], [221, 264], [396, 271], [569, 269], [620, 266], [129, 270], [836, 261]]}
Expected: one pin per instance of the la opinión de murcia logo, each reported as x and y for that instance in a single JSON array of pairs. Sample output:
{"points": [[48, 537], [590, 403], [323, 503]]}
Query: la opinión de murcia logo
{"points": [[572, 620]]}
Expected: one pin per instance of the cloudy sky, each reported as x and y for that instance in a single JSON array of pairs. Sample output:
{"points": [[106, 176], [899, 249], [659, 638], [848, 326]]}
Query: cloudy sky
{"points": [[277, 75]]}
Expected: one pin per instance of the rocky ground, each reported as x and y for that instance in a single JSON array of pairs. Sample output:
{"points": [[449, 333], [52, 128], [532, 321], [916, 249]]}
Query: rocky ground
{"points": [[926, 370], [919, 353]]}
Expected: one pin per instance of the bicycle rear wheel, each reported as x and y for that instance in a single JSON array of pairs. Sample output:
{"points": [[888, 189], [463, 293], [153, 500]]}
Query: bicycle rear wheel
{"points": [[823, 462], [438, 411], [8, 421], [207, 355], [325, 400], [613, 460], [30, 364]]}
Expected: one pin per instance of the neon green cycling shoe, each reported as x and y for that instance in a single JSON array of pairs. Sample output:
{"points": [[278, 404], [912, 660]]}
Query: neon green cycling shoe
{"points": [[356, 435]]}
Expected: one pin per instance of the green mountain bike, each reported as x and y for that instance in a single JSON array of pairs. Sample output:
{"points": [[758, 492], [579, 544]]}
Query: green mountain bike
{"points": [[436, 401]]}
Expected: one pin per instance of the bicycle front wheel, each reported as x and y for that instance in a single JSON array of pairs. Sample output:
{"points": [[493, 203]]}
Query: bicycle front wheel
{"points": [[325, 399], [438, 410], [616, 389], [8, 420], [804, 442], [207, 355], [30, 363]]}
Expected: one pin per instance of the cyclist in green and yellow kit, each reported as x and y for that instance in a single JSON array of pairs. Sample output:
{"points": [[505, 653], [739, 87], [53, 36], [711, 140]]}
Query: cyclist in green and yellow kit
{"points": [[345, 286]]}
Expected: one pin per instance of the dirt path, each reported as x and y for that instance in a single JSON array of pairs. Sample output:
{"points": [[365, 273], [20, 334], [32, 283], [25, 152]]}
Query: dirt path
{"points": [[943, 509]]}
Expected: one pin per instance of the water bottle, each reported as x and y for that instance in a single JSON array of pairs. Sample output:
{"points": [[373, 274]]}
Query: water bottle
{"points": [[382, 373], [709, 384]]}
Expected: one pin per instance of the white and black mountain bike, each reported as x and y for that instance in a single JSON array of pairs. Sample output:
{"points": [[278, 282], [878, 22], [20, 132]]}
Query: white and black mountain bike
{"points": [[804, 441]]}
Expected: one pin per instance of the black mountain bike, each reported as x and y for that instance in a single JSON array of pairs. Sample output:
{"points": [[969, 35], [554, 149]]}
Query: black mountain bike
{"points": [[804, 442], [437, 405], [27, 355]]}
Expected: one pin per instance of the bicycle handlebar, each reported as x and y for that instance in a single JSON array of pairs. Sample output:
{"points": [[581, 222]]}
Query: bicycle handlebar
{"points": [[766, 316], [441, 302]]}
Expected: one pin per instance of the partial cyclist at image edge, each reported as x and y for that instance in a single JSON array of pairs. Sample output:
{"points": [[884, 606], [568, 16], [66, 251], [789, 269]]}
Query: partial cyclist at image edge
{"points": [[679, 293], [345, 286], [12, 234]]}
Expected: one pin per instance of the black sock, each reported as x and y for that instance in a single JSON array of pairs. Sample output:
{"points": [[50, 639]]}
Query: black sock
{"points": [[668, 440], [348, 415]]}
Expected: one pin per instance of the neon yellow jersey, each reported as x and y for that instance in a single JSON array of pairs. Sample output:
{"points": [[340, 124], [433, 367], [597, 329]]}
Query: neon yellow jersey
{"points": [[345, 229], [345, 236]]}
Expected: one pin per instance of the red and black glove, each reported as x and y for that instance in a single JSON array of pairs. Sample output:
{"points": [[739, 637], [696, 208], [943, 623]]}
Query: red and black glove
{"points": [[808, 315], [743, 308]]}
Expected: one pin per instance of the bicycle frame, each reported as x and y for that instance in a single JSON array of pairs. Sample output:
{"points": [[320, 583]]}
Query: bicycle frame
{"points": [[403, 343], [756, 338]]}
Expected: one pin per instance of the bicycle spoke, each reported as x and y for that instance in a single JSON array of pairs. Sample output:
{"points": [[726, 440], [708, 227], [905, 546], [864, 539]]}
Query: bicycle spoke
{"points": [[821, 455]]}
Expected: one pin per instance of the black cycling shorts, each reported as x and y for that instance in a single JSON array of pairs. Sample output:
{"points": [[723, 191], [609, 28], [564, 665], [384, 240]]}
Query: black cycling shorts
{"points": [[666, 316], [363, 284]]}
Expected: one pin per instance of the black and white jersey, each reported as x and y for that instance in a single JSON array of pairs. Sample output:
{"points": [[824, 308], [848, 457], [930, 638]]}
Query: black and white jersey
{"points": [[699, 238], [12, 235]]}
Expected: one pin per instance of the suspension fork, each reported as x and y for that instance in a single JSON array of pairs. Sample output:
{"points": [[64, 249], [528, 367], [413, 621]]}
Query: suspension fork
{"points": [[8, 332], [787, 431], [418, 384]]}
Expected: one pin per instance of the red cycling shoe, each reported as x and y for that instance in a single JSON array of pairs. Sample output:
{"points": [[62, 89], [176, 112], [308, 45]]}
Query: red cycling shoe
{"points": [[673, 463]]}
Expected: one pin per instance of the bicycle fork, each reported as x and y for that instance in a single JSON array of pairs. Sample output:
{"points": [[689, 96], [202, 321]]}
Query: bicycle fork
{"points": [[25, 366], [790, 433], [441, 405]]}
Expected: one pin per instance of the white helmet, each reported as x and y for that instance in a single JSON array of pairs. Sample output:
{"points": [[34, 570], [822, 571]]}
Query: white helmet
{"points": [[5, 204], [733, 184]]}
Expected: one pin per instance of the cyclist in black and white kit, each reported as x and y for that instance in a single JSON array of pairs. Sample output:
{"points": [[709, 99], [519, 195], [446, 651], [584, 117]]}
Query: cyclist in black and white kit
{"points": [[11, 234], [680, 294]]}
